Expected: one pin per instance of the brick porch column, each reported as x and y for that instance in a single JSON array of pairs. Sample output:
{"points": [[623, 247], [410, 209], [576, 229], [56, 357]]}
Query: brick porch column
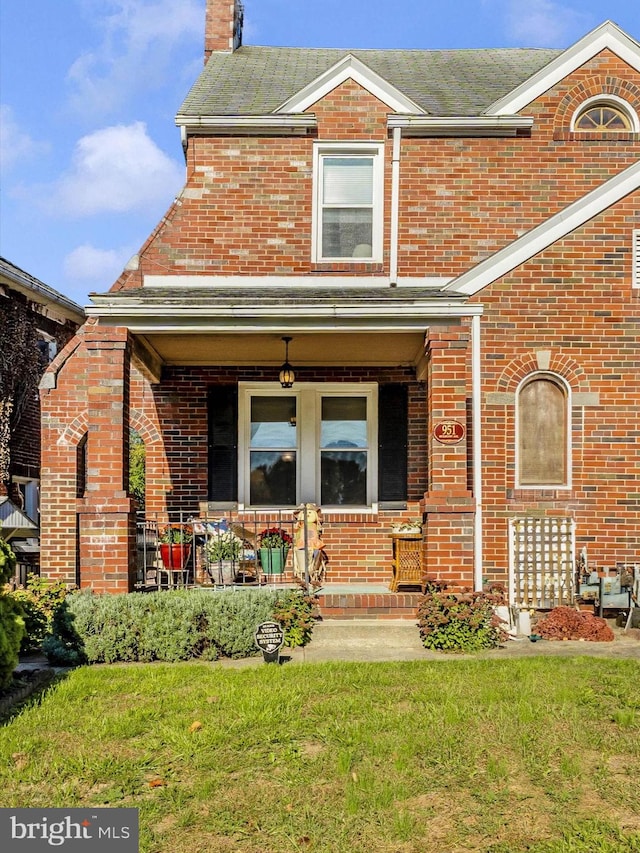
{"points": [[448, 502], [106, 514]]}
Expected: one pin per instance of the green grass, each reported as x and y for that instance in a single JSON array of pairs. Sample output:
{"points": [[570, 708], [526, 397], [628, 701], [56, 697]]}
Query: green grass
{"points": [[538, 755]]}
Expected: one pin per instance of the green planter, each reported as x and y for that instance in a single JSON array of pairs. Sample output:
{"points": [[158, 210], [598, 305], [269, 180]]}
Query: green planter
{"points": [[273, 560]]}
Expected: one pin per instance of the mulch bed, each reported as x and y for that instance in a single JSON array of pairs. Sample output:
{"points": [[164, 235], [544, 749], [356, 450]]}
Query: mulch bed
{"points": [[565, 623]]}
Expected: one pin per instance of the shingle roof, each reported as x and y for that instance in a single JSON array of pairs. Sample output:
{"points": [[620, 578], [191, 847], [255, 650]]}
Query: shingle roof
{"points": [[38, 291], [247, 297], [257, 80]]}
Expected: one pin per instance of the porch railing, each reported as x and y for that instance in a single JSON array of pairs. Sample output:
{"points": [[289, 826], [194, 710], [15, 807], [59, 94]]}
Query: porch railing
{"points": [[213, 549]]}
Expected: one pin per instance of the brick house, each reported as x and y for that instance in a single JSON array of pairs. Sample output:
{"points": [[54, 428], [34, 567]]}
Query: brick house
{"points": [[450, 240], [35, 315]]}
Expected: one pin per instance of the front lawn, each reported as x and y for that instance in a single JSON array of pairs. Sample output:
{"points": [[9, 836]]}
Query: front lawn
{"points": [[538, 755]]}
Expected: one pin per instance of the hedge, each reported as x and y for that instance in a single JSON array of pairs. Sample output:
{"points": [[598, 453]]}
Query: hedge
{"points": [[169, 626]]}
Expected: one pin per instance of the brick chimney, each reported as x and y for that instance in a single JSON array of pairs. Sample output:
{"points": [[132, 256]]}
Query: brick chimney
{"points": [[223, 26]]}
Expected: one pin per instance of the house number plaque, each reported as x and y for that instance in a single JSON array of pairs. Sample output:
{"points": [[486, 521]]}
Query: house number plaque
{"points": [[449, 432]]}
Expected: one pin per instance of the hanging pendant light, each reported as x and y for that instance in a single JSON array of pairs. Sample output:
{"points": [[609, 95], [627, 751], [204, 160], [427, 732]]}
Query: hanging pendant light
{"points": [[287, 376]]}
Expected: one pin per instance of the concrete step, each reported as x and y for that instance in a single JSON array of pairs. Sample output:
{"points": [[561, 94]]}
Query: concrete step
{"points": [[360, 602]]}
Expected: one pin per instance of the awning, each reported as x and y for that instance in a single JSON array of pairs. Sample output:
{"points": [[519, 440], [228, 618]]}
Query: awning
{"points": [[14, 523]]}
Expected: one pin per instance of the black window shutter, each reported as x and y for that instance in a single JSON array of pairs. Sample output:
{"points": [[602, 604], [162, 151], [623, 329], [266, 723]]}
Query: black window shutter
{"points": [[393, 439], [223, 443]]}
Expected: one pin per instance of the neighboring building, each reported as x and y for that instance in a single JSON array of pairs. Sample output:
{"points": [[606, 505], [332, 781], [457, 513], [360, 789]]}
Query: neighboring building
{"points": [[451, 239], [35, 322]]}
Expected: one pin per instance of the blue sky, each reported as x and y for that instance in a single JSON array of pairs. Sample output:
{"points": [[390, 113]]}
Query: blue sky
{"points": [[90, 156]]}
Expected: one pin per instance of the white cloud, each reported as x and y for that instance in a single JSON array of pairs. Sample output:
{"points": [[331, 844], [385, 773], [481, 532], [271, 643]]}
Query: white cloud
{"points": [[115, 170], [16, 145], [142, 44], [544, 23], [93, 266]]}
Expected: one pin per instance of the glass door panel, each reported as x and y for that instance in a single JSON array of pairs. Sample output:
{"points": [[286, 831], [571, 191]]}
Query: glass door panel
{"points": [[343, 451], [273, 451]]}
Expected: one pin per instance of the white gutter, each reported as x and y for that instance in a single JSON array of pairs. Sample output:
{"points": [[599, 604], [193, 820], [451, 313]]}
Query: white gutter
{"points": [[476, 420], [395, 206], [193, 314], [246, 124], [421, 125]]}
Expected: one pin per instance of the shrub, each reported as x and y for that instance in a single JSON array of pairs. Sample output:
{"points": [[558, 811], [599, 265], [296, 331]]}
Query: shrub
{"points": [[11, 621], [174, 625], [460, 623], [295, 611], [38, 601], [7, 561], [11, 633], [63, 646]]}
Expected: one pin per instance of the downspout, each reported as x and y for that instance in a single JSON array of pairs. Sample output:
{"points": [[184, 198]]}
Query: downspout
{"points": [[395, 207], [476, 420], [184, 141]]}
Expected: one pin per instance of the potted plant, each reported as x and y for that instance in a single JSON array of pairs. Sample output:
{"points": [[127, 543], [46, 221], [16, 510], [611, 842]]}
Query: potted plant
{"points": [[175, 545], [274, 544], [223, 549], [413, 525]]}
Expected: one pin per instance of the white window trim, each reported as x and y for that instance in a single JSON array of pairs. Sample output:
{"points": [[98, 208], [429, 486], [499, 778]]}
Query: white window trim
{"points": [[356, 149], [635, 259], [604, 100], [559, 380], [308, 396], [52, 344], [31, 495]]}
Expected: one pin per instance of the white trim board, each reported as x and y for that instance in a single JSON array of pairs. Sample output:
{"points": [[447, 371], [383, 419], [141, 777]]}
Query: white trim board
{"points": [[349, 68], [607, 35], [304, 282]]}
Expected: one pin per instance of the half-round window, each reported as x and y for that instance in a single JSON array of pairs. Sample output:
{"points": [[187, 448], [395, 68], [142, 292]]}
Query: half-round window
{"points": [[603, 118]]}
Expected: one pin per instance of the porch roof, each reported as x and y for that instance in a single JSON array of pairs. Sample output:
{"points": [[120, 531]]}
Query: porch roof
{"points": [[255, 308], [243, 325]]}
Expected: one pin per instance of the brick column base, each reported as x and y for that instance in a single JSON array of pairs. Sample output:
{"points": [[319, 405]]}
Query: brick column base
{"points": [[448, 539], [107, 544]]}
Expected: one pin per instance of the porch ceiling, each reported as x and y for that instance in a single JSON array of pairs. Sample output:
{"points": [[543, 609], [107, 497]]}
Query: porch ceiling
{"points": [[349, 349]]}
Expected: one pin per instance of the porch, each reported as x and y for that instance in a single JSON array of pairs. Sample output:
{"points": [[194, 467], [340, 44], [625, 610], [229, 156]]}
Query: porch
{"points": [[228, 550]]}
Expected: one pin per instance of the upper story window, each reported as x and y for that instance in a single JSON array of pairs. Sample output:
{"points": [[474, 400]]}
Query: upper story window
{"points": [[604, 115], [47, 346], [543, 432], [348, 193]]}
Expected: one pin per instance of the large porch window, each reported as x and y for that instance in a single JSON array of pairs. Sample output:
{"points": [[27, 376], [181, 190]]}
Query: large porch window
{"points": [[311, 443]]}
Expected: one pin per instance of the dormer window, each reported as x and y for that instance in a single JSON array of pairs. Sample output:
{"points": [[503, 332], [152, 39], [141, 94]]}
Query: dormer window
{"points": [[601, 115]]}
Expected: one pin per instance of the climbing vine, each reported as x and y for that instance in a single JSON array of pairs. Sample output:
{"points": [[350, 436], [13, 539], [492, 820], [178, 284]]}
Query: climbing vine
{"points": [[20, 370], [137, 454]]}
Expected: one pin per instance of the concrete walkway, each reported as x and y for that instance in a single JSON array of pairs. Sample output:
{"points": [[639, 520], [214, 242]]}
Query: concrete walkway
{"points": [[398, 640]]}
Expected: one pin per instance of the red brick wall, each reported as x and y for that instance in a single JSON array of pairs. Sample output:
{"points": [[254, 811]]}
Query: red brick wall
{"points": [[588, 323], [95, 530], [247, 206]]}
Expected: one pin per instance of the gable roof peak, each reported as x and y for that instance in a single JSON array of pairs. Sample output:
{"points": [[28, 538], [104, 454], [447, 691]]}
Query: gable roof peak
{"points": [[349, 67], [607, 35]]}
